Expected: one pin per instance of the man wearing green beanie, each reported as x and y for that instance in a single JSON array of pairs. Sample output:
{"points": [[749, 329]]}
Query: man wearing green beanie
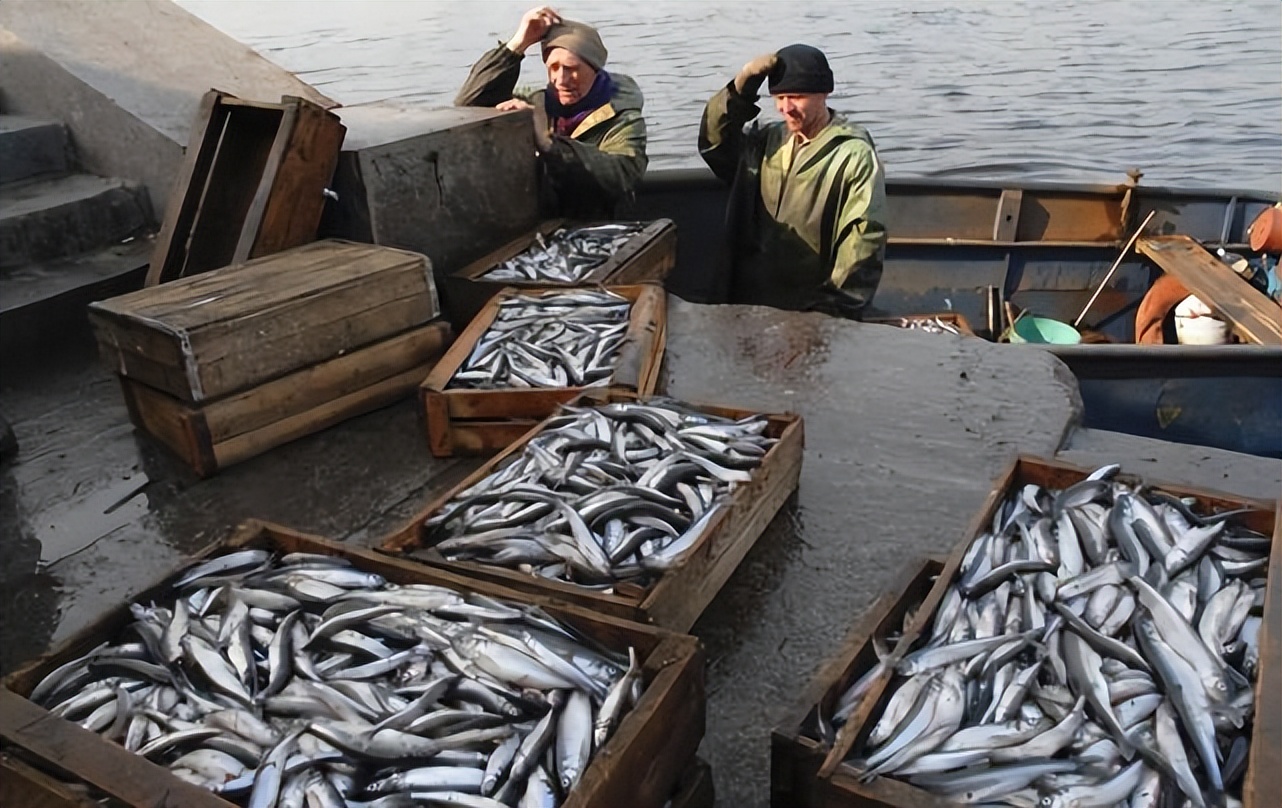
{"points": [[588, 127], [808, 194]]}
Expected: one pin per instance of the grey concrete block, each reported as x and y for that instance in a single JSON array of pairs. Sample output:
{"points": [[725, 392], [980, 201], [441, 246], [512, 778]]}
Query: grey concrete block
{"points": [[51, 217], [30, 147], [451, 183], [43, 304]]}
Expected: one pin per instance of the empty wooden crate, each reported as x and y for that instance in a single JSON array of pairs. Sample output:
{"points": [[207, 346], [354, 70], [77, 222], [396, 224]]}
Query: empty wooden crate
{"points": [[252, 184]]}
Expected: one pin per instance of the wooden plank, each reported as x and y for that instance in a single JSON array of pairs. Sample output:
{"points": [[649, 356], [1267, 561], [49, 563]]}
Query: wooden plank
{"points": [[107, 766], [291, 211], [458, 417], [180, 209], [329, 381], [840, 784], [229, 188], [220, 332], [249, 230], [25, 786], [250, 444], [640, 765], [1253, 316], [797, 751], [1264, 777], [1007, 219], [680, 595]]}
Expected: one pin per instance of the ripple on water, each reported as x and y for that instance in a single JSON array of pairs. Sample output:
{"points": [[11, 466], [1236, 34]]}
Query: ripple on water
{"points": [[1189, 92]]}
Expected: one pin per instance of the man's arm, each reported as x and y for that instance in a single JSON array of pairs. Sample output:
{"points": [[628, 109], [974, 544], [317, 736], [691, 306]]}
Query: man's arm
{"points": [[494, 76], [616, 165], [492, 80], [721, 136]]}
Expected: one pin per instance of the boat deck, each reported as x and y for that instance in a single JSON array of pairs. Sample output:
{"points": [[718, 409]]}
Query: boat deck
{"points": [[905, 431]]}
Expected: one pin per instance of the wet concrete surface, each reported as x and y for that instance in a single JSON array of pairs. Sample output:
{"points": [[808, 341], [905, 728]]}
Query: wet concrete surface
{"points": [[904, 433]]}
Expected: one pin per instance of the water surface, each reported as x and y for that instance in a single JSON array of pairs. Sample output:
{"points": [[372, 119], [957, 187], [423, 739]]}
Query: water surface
{"points": [[1069, 91]]}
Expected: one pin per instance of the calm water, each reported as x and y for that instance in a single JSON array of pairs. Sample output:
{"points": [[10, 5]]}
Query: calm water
{"points": [[1188, 91]]}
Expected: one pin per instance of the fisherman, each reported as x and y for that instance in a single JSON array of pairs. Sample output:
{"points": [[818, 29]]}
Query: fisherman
{"points": [[588, 128], [808, 200]]}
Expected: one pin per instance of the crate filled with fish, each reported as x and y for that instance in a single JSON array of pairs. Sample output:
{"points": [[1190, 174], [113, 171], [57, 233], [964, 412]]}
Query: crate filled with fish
{"points": [[562, 253], [529, 351], [284, 669], [1098, 640], [801, 744], [637, 507], [947, 322]]}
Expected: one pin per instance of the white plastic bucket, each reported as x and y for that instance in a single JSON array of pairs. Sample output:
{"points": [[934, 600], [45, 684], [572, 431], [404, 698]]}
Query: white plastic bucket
{"points": [[1194, 324]]}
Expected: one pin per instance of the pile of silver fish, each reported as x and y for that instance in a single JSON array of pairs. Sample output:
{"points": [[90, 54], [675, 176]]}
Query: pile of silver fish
{"points": [[931, 325], [567, 255], [301, 680], [603, 494], [568, 339], [1097, 647]]}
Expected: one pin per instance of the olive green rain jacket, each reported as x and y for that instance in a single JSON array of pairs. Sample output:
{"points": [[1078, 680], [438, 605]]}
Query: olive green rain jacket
{"points": [[601, 162], [807, 225]]}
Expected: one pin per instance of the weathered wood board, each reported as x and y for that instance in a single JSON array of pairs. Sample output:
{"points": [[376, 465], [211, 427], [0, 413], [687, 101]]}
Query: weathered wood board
{"points": [[228, 330], [216, 434]]}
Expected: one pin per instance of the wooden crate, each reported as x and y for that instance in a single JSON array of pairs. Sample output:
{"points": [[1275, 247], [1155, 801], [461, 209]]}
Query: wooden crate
{"points": [[467, 421], [228, 330], [681, 594], [218, 433], [639, 766], [251, 184], [796, 752], [839, 782], [25, 786], [647, 257], [954, 319]]}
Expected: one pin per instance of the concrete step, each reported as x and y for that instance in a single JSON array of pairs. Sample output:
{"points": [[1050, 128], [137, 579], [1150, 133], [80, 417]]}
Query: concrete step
{"points": [[43, 304], [29, 147], [53, 216]]}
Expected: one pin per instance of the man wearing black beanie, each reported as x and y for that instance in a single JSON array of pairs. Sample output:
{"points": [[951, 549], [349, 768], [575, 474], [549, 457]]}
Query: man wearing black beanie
{"points": [[808, 194]]}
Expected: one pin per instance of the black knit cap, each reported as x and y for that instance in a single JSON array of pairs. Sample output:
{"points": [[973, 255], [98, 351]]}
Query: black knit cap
{"points": [[801, 69]]}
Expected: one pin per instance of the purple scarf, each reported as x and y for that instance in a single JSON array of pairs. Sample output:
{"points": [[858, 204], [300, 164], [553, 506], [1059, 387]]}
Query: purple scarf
{"points": [[565, 119]]}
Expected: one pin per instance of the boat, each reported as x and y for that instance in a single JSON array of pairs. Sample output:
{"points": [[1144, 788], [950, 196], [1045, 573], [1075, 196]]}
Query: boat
{"points": [[967, 246]]}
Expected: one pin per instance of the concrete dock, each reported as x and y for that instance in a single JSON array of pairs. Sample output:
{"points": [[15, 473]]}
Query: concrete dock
{"points": [[904, 430]]}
